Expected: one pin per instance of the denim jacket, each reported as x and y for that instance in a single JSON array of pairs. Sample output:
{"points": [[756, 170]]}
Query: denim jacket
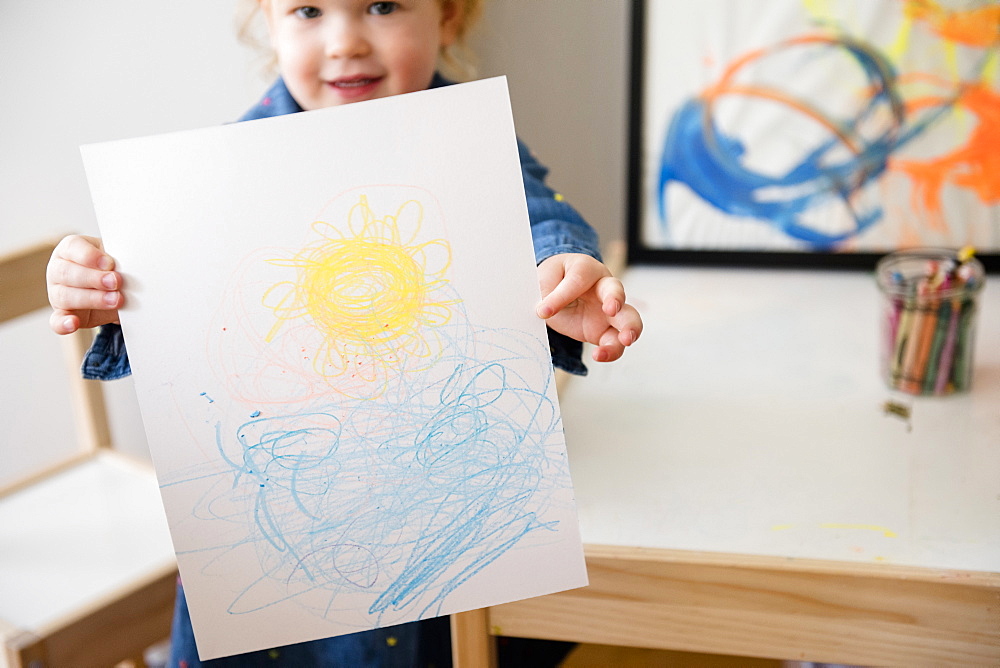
{"points": [[555, 228]]}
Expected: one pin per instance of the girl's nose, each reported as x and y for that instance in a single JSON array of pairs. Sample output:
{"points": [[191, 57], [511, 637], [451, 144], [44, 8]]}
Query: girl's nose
{"points": [[345, 38]]}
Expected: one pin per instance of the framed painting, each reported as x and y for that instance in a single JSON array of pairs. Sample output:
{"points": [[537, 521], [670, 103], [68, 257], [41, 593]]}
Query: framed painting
{"points": [[813, 133]]}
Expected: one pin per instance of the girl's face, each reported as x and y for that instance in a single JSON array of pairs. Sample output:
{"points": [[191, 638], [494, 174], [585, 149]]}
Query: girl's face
{"points": [[333, 52]]}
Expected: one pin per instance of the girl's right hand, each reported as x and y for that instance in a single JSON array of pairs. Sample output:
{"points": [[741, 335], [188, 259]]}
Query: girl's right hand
{"points": [[84, 290]]}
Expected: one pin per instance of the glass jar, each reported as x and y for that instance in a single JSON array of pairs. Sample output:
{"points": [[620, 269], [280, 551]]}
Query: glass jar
{"points": [[928, 319]]}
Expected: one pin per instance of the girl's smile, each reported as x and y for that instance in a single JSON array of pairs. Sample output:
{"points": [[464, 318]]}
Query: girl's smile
{"points": [[355, 88]]}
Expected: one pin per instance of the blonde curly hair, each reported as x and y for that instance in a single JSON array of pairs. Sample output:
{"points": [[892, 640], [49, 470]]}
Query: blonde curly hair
{"points": [[457, 60]]}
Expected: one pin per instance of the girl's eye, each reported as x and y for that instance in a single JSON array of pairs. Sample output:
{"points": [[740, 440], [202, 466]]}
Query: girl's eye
{"points": [[381, 8], [308, 12]]}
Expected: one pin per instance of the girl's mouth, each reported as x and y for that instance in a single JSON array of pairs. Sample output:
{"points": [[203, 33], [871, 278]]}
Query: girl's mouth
{"points": [[355, 87], [357, 82]]}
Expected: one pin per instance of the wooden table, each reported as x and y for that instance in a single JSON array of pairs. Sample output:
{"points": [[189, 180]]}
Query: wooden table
{"points": [[742, 488]]}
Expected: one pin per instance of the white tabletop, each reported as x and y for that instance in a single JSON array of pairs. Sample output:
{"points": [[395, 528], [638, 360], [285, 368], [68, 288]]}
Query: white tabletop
{"points": [[750, 419]]}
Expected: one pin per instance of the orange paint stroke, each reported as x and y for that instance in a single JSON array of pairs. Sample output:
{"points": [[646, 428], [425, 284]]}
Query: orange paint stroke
{"points": [[974, 165], [725, 83], [726, 86], [977, 27], [807, 110]]}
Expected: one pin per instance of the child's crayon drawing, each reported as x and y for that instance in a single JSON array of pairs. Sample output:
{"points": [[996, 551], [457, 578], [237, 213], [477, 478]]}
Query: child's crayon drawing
{"points": [[403, 452], [349, 398]]}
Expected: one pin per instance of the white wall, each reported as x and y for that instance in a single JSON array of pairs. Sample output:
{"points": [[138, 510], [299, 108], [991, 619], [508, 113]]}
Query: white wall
{"points": [[566, 63], [73, 73], [79, 72]]}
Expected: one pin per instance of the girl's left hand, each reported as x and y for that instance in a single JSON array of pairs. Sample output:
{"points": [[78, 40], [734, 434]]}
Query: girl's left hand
{"points": [[581, 299]]}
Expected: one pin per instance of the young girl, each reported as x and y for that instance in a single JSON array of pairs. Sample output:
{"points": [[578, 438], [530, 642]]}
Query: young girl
{"points": [[334, 52]]}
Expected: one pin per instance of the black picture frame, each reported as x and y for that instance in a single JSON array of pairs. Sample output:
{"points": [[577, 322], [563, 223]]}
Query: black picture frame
{"points": [[639, 252]]}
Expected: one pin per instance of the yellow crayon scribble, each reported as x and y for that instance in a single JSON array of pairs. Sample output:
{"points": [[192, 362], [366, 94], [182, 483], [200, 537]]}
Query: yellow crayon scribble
{"points": [[370, 293], [860, 527], [833, 525]]}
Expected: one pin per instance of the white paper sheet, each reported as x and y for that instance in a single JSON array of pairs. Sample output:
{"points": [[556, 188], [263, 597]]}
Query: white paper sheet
{"points": [[348, 397]]}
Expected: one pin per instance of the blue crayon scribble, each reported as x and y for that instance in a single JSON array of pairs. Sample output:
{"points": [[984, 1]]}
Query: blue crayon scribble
{"points": [[399, 501]]}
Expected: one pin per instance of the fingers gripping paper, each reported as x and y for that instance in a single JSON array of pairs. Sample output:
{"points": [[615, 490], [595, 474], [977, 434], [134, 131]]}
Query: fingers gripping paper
{"points": [[347, 394]]}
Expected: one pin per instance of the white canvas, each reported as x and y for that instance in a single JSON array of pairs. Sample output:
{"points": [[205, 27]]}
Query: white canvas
{"points": [[349, 400]]}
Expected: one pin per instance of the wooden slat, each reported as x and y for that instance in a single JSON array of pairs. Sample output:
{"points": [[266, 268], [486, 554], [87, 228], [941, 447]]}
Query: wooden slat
{"points": [[471, 644], [22, 290], [51, 469], [8, 632], [90, 411], [22, 280], [770, 607], [611, 656]]}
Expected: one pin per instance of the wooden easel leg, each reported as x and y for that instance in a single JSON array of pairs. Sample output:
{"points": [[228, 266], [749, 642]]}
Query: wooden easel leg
{"points": [[472, 646]]}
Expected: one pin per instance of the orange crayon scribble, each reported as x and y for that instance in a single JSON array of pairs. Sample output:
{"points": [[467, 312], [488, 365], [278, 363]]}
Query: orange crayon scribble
{"points": [[975, 165], [976, 27]]}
